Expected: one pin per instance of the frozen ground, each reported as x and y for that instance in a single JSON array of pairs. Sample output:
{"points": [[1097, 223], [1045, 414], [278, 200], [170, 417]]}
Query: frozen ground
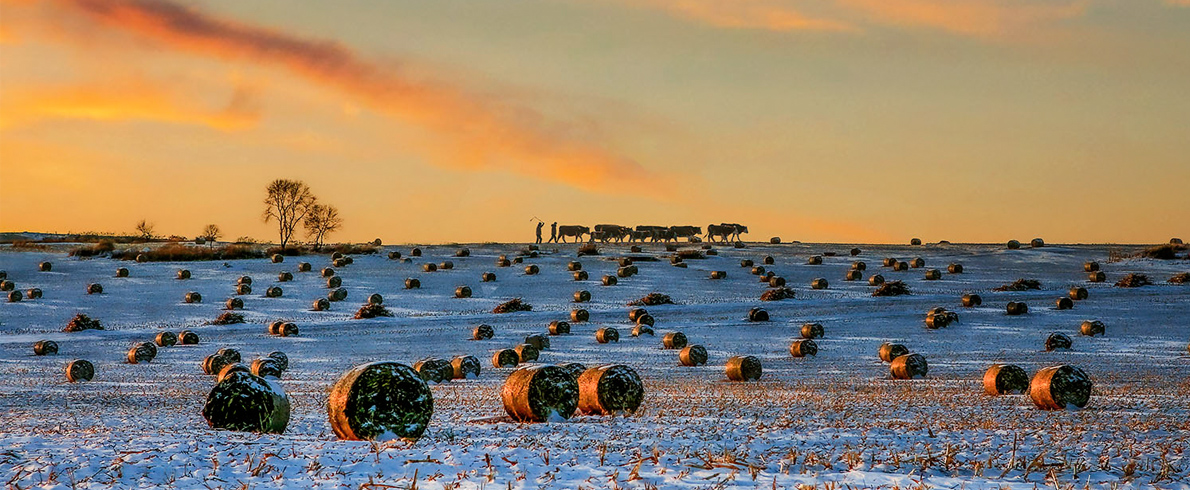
{"points": [[831, 421]]}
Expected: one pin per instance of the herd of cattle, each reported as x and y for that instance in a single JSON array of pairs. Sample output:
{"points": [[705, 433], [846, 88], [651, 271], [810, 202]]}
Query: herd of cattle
{"points": [[617, 233]]}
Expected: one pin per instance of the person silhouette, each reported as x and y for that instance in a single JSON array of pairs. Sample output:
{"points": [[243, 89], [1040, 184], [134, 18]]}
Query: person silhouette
{"points": [[539, 225], [554, 232]]}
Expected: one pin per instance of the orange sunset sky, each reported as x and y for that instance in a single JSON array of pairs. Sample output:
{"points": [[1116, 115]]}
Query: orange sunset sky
{"points": [[460, 120]]}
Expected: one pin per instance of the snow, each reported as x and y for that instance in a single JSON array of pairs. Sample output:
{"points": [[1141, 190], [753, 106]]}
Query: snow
{"points": [[834, 420]]}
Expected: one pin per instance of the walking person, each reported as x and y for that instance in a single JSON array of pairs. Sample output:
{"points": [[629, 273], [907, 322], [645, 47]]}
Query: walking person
{"points": [[554, 232], [539, 225]]}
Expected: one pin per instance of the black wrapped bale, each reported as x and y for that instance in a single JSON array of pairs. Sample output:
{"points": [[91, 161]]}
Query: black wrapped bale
{"points": [[339, 262], [693, 355], [304, 267], [286, 276], [1090, 266], [933, 274], [609, 280], [1060, 388], [889, 351], [380, 401], [463, 367], [122, 272], [674, 340], [814, 260], [539, 341], [1097, 276], [955, 268], [506, 358], [579, 315], [483, 332], [1078, 293], [429, 267], [375, 299], [1037, 243], [337, 295], [45, 267], [231, 368], [575, 369], [855, 251], [434, 370], [334, 282], [234, 304], [532, 270], [876, 280], [527, 353], [718, 274], [488, 277], [610, 389], [415, 252], [266, 367], [1057, 341], [642, 329], [1091, 328], [812, 331], [758, 314], [972, 300], [321, 304], [1005, 379], [1016, 308], [94, 288], [915, 241], [80, 370], [768, 260], [558, 327], [743, 368], [1063, 304], [582, 296], [574, 266], [540, 393], [142, 352], [166, 339], [183, 274], [15, 296], [463, 292], [281, 359], [803, 348], [854, 275], [243, 289], [193, 297], [607, 334], [186, 337], [819, 283], [273, 292], [412, 283], [45, 348], [581, 275], [33, 293], [909, 366]]}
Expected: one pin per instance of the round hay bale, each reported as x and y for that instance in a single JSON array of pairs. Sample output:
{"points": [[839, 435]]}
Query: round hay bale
{"points": [[646, 319], [412, 283], [166, 339], [777, 282], [142, 258], [505, 358], [429, 267], [243, 289], [375, 299], [1005, 379], [1175, 241], [610, 389], [575, 369], [747, 263], [1016, 308], [915, 241], [228, 353], [526, 353], [1090, 266], [95, 288], [1078, 293], [266, 367], [854, 275], [394, 255], [855, 252], [339, 262], [540, 393], [819, 283], [434, 370], [743, 368], [859, 265], [693, 355], [803, 348], [142, 352], [483, 331], [889, 261], [273, 292], [579, 315], [446, 265], [503, 263], [909, 366], [609, 280], [757, 314], [463, 252], [1060, 388], [378, 401], [488, 277], [80, 370], [642, 329], [45, 348], [231, 368], [464, 367], [940, 318], [718, 274], [574, 266], [624, 261], [767, 275], [955, 268], [674, 340], [558, 327], [336, 255], [304, 267], [186, 337], [876, 280], [415, 252], [278, 258], [45, 267], [624, 272], [768, 260], [758, 270], [775, 240], [972, 300], [286, 276], [582, 296], [814, 260], [1097, 276], [1063, 304], [539, 341], [463, 292], [1091, 328], [321, 304], [532, 269], [334, 282], [607, 334], [122, 272], [14, 296], [812, 331], [888, 351], [901, 266], [581, 275], [337, 294], [234, 304], [193, 297], [933, 274], [917, 263], [1014, 245], [1037, 243], [183, 274], [283, 328], [1057, 341]]}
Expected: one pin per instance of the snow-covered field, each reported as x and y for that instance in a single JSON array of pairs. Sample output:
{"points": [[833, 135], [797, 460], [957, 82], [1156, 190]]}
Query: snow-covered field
{"points": [[831, 421]]}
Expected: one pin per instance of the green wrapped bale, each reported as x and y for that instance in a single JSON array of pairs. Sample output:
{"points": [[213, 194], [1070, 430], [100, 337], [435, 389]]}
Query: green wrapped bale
{"points": [[1057, 341], [575, 369], [281, 358], [1060, 388], [321, 304], [582, 296], [339, 294], [33, 293], [80, 370], [609, 280], [380, 401], [540, 394], [610, 389], [581, 275], [274, 292], [247, 403], [243, 289], [1005, 379]]}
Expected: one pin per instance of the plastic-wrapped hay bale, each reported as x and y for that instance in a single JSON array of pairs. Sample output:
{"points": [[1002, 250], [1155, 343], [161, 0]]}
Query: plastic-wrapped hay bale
{"points": [[610, 389], [579, 315], [166, 339], [80, 370], [505, 358], [539, 341], [1091, 328], [1057, 341], [1004, 379], [463, 367], [526, 353], [909, 366], [483, 332], [247, 403], [434, 369], [1060, 388], [889, 351], [803, 348], [674, 340], [812, 331], [186, 337], [693, 355], [540, 393], [142, 352], [45, 348], [743, 368]]}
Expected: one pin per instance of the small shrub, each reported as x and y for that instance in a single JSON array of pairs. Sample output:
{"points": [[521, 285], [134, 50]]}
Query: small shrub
{"points": [[372, 311], [1180, 278], [82, 322], [652, 299], [1168, 251], [1133, 281], [512, 305], [777, 294], [892, 288], [1020, 285], [228, 318]]}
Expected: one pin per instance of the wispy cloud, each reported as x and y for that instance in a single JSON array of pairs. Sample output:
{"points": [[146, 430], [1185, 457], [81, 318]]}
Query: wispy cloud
{"points": [[488, 131], [771, 15]]}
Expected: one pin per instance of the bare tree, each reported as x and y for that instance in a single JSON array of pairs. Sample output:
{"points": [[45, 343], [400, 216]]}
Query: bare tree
{"points": [[288, 202], [211, 233], [320, 222], [145, 229]]}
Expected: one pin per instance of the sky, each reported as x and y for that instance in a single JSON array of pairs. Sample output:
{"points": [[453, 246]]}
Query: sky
{"points": [[852, 121]]}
